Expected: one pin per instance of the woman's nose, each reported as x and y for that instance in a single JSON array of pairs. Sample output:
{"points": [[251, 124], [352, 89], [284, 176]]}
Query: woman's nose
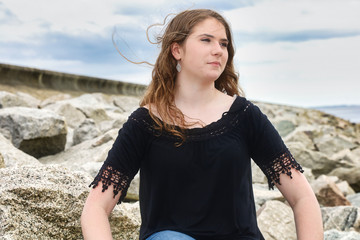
{"points": [[217, 49]]}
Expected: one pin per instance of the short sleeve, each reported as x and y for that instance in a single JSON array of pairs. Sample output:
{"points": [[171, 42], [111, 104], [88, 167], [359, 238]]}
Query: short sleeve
{"points": [[267, 149], [124, 158]]}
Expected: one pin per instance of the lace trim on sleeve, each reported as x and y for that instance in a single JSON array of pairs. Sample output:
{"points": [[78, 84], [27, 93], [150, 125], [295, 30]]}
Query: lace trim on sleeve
{"points": [[279, 165], [110, 176]]}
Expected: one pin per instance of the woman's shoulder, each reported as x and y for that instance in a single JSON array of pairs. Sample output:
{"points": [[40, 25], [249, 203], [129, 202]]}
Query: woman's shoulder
{"points": [[240, 104], [140, 115]]}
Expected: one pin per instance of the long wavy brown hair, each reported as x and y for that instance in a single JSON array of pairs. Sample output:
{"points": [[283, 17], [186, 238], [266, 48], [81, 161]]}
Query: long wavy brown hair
{"points": [[159, 96]]}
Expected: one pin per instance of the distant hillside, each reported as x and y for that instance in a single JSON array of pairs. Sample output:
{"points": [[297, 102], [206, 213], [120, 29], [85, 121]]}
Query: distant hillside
{"points": [[347, 112]]}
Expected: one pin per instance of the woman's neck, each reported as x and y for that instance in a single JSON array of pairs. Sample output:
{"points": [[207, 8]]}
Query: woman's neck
{"points": [[193, 95]]}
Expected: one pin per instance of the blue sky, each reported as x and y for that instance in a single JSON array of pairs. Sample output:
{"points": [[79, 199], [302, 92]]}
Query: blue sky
{"points": [[293, 52]]}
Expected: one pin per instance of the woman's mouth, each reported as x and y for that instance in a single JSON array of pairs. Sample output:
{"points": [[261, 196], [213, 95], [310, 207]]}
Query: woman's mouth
{"points": [[216, 64]]}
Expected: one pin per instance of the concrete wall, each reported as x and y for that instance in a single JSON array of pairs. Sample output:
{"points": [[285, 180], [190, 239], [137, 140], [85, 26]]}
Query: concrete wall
{"points": [[37, 78]]}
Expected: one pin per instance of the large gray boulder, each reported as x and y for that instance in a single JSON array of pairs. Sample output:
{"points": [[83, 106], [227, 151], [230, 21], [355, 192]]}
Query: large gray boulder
{"points": [[54, 98], [319, 162], [126, 103], [351, 175], [37, 132], [334, 234], [86, 131], [2, 162], [17, 100], [342, 218], [41, 202], [92, 106], [333, 142], [87, 156], [14, 157], [354, 199], [46, 203], [328, 193], [276, 221], [73, 116], [125, 221], [301, 134], [262, 194]]}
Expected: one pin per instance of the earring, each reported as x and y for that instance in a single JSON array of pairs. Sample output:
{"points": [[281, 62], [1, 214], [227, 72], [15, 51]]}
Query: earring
{"points": [[178, 67]]}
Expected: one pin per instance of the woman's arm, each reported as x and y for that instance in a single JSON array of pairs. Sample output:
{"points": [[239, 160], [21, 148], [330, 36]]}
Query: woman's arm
{"points": [[302, 200], [94, 218]]}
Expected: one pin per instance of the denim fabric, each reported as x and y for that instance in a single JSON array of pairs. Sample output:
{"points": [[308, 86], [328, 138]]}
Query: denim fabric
{"points": [[169, 235]]}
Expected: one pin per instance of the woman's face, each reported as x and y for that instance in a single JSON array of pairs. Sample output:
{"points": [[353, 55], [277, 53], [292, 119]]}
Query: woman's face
{"points": [[204, 53]]}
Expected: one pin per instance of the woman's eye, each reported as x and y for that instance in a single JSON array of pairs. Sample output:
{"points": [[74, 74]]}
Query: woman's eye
{"points": [[205, 40], [224, 44]]}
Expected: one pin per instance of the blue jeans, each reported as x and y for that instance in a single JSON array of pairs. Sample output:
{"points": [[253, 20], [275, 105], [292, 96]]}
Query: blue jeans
{"points": [[169, 235]]}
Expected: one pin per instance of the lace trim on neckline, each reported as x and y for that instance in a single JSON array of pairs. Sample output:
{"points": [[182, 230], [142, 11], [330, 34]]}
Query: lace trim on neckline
{"points": [[228, 120]]}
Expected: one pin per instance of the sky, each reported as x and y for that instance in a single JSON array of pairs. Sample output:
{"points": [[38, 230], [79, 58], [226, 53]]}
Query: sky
{"points": [[302, 53]]}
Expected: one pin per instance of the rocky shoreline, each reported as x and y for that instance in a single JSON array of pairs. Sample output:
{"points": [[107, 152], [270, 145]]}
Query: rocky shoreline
{"points": [[52, 144]]}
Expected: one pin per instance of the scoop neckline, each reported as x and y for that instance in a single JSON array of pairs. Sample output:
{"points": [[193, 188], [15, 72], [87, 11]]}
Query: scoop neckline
{"points": [[211, 125]]}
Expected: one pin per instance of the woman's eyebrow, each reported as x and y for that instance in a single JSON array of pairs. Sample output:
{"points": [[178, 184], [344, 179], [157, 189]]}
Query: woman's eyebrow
{"points": [[211, 36]]}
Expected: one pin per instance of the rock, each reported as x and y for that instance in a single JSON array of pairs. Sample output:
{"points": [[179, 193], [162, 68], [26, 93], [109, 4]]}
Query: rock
{"points": [[46, 203], [17, 100], [327, 193], [351, 175], [14, 157], [276, 221], [125, 221], [354, 199], [332, 143], [55, 98], [346, 158], [41, 202], [89, 156], [69, 138], [334, 234], [2, 161], [343, 218], [126, 103], [318, 162], [345, 188], [37, 132], [263, 194], [82, 156], [308, 174], [86, 131], [92, 106], [356, 151], [116, 122], [133, 191], [73, 116], [284, 127], [300, 134], [257, 175]]}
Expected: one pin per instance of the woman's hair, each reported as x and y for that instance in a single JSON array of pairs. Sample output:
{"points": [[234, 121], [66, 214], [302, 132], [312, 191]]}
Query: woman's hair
{"points": [[159, 96]]}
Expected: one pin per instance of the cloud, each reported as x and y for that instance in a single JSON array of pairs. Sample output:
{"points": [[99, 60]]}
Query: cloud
{"points": [[243, 38], [319, 71], [37, 18], [287, 51], [296, 20]]}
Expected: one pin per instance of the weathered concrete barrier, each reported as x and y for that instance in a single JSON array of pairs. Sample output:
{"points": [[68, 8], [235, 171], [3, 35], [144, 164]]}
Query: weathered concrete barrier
{"points": [[37, 78]]}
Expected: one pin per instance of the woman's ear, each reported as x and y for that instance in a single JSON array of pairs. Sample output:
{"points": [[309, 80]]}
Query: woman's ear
{"points": [[176, 51]]}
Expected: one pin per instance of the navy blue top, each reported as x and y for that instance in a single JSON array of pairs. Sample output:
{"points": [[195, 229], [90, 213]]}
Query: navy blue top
{"points": [[202, 188]]}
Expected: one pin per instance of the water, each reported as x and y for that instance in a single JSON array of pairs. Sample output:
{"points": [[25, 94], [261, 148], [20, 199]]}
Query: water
{"points": [[347, 112]]}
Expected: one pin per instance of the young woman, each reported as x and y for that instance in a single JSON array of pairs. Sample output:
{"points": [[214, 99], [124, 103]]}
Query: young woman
{"points": [[192, 140]]}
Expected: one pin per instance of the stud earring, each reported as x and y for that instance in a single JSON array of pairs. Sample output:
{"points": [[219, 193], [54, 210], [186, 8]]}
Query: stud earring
{"points": [[178, 67]]}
